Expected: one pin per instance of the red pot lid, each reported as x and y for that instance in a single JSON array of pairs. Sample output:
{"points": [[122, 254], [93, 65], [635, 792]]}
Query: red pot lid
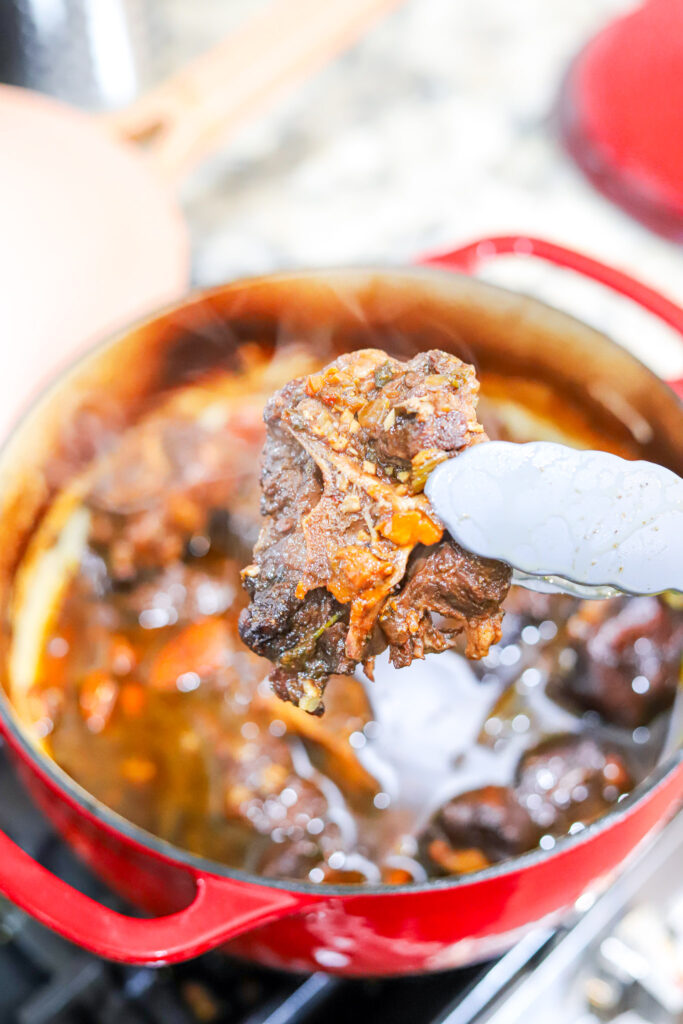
{"points": [[621, 113]]}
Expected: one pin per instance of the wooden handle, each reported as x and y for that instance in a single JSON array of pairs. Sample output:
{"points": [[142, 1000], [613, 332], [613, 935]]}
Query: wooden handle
{"points": [[182, 120]]}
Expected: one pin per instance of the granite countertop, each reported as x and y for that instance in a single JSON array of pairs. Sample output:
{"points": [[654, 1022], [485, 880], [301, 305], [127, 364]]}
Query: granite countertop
{"points": [[435, 129]]}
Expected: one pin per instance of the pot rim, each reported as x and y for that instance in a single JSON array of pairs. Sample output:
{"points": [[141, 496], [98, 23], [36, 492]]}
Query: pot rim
{"points": [[81, 799]]}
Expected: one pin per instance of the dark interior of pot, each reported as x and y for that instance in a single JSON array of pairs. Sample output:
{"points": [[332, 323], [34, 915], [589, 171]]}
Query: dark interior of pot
{"points": [[130, 504]]}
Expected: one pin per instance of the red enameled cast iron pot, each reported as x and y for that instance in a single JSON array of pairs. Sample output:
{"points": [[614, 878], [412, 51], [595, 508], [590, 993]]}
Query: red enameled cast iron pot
{"points": [[196, 904]]}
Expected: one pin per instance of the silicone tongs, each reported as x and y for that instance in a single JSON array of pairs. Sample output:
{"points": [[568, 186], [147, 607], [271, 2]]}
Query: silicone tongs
{"points": [[585, 523]]}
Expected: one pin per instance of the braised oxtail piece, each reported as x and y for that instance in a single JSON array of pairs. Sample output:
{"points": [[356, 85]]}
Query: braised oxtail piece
{"points": [[351, 559]]}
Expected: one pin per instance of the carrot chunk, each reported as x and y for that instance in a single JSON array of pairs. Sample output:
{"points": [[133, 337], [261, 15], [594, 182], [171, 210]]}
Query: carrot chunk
{"points": [[199, 648], [410, 528]]}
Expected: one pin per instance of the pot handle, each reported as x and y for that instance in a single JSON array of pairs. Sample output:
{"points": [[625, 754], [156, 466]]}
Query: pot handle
{"points": [[468, 258], [221, 909]]}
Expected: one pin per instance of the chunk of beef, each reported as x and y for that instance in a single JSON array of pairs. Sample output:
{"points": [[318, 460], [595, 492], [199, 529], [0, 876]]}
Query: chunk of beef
{"points": [[161, 488], [626, 665], [570, 778], [256, 789], [465, 589], [347, 454], [172, 476], [478, 828]]}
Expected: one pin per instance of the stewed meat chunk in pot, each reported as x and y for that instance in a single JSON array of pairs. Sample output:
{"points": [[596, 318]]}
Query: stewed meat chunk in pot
{"points": [[351, 559], [624, 661], [478, 828], [569, 779]]}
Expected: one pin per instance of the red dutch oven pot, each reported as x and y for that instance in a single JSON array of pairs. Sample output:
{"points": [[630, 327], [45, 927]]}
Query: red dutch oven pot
{"points": [[197, 904]]}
